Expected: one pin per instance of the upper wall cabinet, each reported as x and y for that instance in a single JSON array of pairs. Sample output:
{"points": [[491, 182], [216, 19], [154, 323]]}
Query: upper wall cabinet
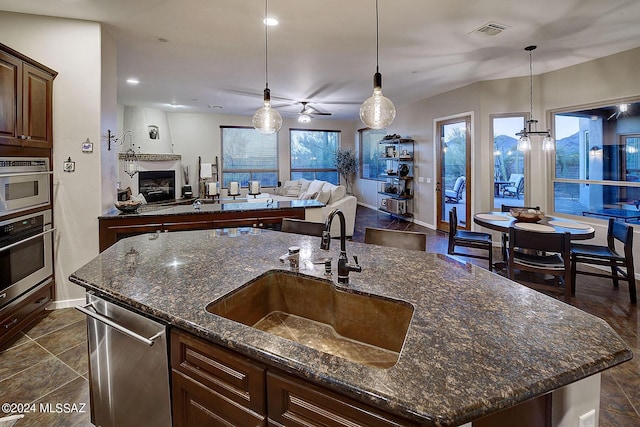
{"points": [[26, 89]]}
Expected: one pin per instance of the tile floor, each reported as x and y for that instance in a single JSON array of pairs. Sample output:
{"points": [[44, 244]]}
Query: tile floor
{"points": [[47, 363]]}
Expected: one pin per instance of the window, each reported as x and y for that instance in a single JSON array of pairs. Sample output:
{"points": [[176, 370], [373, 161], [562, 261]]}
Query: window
{"points": [[248, 155], [313, 154], [597, 163], [372, 165], [508, 162]]}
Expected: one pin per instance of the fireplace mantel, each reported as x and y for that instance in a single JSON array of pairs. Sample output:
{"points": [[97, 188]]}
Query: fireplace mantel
{"points": [[143, 157]]}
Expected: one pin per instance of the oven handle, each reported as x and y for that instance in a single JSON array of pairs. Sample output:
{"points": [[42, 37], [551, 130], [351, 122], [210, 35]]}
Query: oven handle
{"points": [[9, 175], [114, 325], [35, 236]]}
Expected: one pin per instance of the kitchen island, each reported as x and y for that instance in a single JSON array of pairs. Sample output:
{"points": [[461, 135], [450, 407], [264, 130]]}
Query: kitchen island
{"points": [[477, 343]]}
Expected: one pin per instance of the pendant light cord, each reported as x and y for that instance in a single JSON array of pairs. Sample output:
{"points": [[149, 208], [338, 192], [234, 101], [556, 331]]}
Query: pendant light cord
{"points": [[530, 87], [377, 39], [266, 44]]}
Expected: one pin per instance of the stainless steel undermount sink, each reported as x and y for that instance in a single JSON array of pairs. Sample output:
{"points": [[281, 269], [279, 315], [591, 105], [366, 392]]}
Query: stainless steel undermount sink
{"points": [[367, 329]]}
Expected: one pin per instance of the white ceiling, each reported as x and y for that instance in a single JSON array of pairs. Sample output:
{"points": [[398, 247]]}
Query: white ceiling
{"points": [[323, 51]]}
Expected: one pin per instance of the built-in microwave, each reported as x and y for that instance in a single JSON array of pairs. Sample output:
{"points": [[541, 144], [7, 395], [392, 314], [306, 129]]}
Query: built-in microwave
{"points": [[26, 254], [24, 183]]}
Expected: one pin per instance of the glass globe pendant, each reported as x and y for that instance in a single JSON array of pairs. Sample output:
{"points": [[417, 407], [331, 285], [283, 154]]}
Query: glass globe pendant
{"points": [[548, 143], [377, 111], [524, 144], [267, 120]]}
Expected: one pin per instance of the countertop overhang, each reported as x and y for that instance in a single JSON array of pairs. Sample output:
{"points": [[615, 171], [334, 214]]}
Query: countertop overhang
{"points": [[477, 342]]}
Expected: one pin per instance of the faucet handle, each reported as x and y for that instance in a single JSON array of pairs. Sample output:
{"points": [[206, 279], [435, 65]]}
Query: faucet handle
{"points": [[326, 240], [355, 259]]}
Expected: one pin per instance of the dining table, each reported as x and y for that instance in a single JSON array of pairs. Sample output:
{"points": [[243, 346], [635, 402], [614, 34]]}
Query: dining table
{"points": [[501, 221]]}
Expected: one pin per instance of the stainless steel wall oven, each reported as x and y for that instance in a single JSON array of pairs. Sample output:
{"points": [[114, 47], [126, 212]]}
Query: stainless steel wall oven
{"points": [[26, 256], [24, 183]]}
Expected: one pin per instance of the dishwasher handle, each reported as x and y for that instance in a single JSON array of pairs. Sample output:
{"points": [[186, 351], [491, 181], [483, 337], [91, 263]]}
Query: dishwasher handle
{"points": [[99, 317]]}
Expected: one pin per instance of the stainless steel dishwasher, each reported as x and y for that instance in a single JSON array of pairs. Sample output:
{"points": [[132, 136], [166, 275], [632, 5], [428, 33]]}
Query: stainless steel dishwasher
{"points": [[128, 366]]}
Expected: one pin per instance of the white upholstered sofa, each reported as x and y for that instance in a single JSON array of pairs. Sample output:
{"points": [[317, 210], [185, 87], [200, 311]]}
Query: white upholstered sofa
{"points": [[334, 196]]}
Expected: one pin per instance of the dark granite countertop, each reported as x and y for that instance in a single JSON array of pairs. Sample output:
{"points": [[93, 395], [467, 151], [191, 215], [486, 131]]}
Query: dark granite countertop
{"points": [[209, 208], [477, 342]]}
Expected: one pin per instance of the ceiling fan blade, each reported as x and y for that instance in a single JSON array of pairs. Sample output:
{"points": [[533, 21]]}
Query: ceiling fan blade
{"points": [[318, 113]]}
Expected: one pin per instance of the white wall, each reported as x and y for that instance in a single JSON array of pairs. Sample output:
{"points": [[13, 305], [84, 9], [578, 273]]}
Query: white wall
{"points": [[73, 49]]}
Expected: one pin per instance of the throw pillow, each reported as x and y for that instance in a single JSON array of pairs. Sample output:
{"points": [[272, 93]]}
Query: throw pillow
{"points": [[337, 193], [323, 197], [292, 190], [315, 186], [306, 196], [304, 185]]}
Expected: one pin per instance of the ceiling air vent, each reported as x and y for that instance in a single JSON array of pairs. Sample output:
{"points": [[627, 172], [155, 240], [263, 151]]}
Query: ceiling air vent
{"points": [[490, 29]]}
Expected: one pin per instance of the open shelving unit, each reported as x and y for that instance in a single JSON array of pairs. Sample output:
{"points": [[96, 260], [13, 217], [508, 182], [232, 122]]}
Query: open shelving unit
{"points": [[395, 195]]}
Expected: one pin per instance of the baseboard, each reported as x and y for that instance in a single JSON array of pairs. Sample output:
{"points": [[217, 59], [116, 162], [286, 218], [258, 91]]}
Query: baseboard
{"points": [[56, 305]]}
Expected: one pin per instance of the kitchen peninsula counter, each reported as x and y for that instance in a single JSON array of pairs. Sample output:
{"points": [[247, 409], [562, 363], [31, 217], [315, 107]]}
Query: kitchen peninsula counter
{"points": [[477, 342], [180, 216]]}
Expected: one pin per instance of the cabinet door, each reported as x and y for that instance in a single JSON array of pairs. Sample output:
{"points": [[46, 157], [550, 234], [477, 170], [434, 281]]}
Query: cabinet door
{"points": [[36, 107], [295, 403], [10, 99]]}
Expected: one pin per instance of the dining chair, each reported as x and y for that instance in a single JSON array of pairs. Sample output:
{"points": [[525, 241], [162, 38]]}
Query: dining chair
{"points": [[468, 239], [396, 238], [542, 253], [621, 265], [505, 236], [299, 226]]}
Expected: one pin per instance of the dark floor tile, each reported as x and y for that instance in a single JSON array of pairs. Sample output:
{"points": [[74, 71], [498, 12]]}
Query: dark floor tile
{"points": [[17, 359], [612, 397], [74, 394], [37, 381], [15, 341], [613, 419], [77, 358], [52, 320], [63, 339]]}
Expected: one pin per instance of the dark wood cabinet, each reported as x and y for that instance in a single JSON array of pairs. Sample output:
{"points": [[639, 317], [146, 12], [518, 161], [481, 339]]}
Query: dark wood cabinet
{"points": [[22, 311], [213, 386], [26, 89], [297, 403], [116, 227]]}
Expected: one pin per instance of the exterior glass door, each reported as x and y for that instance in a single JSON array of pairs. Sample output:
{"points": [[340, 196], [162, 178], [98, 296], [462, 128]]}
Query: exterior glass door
{"points": [[453, 171]]}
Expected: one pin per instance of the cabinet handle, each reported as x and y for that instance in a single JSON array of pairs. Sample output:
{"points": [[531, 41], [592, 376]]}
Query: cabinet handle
{"points": [[42, 300], [3, 295], [10, 324], [28, 137]]}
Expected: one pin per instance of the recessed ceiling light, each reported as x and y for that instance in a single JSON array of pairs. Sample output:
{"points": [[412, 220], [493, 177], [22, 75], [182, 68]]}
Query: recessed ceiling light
{"points": [[215, 107], [272, 22], [133, 81]]}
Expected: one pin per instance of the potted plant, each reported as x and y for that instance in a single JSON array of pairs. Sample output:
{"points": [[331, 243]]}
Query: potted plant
{"points": [[347, 166]]}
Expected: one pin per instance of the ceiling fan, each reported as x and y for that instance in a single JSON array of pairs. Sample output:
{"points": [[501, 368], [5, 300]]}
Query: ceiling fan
{"points": [[308, 112]]}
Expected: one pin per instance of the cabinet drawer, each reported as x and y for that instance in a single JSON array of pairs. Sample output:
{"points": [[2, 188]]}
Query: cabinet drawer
{"points": [[197, 405], [293, 402], [231, 375], [19, 313]]}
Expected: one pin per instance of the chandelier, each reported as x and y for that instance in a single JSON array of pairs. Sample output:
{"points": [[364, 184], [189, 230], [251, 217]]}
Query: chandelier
{"points": [[524, 144]]}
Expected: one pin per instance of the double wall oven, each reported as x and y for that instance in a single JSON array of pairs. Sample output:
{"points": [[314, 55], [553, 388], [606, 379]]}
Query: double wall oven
{"points": [[26, 241]]}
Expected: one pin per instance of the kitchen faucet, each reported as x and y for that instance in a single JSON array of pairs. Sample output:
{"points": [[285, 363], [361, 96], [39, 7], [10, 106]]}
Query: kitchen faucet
{"points": [[343, 261]]}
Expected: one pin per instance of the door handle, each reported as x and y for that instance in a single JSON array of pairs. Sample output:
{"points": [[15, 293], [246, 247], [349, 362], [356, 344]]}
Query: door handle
{"points": [[100, 318]]}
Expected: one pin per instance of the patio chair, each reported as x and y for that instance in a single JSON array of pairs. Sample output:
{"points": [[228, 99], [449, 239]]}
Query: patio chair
{"points": [[455, 194], [515, 190]]}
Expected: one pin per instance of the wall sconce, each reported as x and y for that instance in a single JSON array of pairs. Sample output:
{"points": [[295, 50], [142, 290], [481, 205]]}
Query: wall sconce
{"points": [[130, 158]]}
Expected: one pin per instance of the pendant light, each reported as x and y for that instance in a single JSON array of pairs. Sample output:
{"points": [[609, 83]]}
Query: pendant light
{"points": [[524, 144], [377, 111], [267, 120]]}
